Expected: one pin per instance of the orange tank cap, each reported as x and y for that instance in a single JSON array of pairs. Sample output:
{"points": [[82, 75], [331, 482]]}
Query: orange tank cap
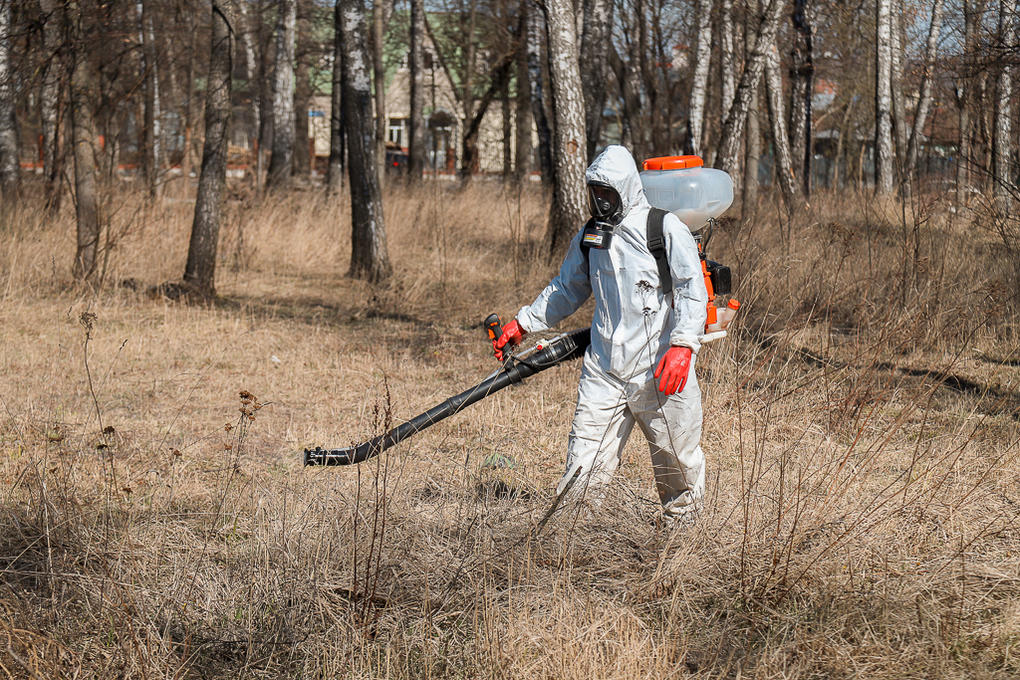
{"points": [[733, 304], [673, 163]]}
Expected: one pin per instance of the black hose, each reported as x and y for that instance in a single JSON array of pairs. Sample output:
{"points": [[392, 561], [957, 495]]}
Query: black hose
{"points": [[569, 346]]}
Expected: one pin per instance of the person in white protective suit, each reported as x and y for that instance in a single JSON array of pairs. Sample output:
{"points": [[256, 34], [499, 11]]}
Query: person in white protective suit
{"points": [[639, 367]]}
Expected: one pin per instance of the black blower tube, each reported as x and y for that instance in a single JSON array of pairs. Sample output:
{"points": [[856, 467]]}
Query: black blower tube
{"points": [[569, 346]]}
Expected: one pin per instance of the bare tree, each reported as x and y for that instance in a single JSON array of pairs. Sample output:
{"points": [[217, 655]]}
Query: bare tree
{"points": [[302, 90], [754, 66], [83, 135], [337, 150], [522, 109], [535, 41], [802, 71], [200, 271], [727, 57], [379, 20], [925, 90], [1002, 148], [248, 36], [899, 112], [699, 86], [883, 97], [568, 204], [780, 139], [151, 135], [10, 181], [50, 100], [369, 255], [595, 38], [281, 161], [416, 66]]}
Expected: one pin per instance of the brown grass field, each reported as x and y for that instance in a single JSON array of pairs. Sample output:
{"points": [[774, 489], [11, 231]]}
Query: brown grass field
{"points": [[863, 512]]}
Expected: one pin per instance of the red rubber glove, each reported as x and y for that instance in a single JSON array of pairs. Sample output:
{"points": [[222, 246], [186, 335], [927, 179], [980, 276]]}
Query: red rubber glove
{"points": [[512, 335], [673, 367]]}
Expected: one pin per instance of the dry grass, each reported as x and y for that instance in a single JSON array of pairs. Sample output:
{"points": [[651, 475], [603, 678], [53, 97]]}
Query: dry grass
{"points": [[861, 429]]}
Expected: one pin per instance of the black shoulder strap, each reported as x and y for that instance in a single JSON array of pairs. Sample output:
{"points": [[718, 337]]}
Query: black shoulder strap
{"points": [[657, 247], [585, 247]]}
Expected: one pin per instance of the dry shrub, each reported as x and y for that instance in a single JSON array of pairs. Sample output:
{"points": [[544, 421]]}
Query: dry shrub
{"points": [[860, 430]]}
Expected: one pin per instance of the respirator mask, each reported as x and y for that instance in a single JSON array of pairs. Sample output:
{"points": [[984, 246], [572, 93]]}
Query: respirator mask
{"points": [[607, 212]]}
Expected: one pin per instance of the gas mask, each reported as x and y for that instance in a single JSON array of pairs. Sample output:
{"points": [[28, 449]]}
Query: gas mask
{"points": [[607, 212]]}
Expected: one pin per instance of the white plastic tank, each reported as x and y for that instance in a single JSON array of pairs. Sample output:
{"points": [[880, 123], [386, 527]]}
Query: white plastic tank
{"points": [[682, 186]]}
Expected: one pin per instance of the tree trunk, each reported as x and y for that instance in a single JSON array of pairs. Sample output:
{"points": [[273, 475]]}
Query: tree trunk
{"points": [[924, 98], [754, 65], [597, 21], [568, 205], [379, 20], [883, 98], [508, 133], [802, 81], [50, 101], [200, 271], [416, 62], [1002, 166], [254, 81], [151, 149], [281, 162], [335, 171], [83, 136], [369, 255], [10, 162], [752, 154], [302, 95], [536, 39], [899, 114], [780, 139], [522, 154], [727, 58], [699, 84]]}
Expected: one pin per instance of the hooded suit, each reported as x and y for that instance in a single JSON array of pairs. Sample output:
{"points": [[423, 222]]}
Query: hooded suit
{"points": [[632, 327]]}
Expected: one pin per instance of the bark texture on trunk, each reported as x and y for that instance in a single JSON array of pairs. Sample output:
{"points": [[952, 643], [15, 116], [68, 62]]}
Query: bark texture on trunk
{"points": [[568, 205], [151, 135], [369, 254], [780, 139], [727, 57], [925, 96], [899, 113], [802, 78], [83, 136], [379, 78], [1002, 147], [50, 100], [750, 77], [335, 170], [281, 161], [883, 97], [535, 40], [699, 84], [416, 63], [596, 23], [523, 150], [248, 35], [10, 168], [200, 271], [302, 94]]}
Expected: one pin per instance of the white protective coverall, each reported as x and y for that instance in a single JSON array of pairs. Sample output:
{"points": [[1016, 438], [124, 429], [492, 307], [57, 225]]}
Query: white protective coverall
{"points": [[632, 327]]}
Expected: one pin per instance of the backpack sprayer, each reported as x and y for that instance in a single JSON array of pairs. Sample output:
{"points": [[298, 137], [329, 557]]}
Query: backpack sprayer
{"points": [[678, 184]]}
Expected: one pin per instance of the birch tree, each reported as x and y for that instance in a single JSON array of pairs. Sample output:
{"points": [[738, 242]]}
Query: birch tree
{"points": [[335, 167], [200, 270], [535, 41], [699, 84], [750, 77], [896, 52], [925, 89], [802, 71], [10, 182], [568, 205], [522, 108], [282, 159], [379, 19], [883, 97], [151, 135], [83, 136], [50, 100], [248, 35], [780, 139], [1002, 148], [727, 56], [369, 255], [416, 65], [595, 37]]}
